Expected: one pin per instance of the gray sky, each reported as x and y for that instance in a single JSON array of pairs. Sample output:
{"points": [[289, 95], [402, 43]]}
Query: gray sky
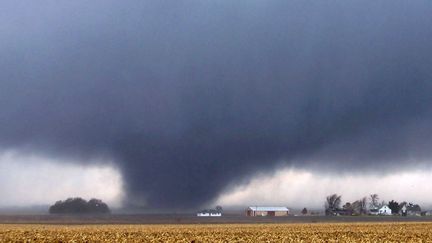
{"points": [[187, 98]]}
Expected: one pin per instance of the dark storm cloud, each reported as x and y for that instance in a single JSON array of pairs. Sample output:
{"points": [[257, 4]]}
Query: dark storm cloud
{"points": [[189, 96]]}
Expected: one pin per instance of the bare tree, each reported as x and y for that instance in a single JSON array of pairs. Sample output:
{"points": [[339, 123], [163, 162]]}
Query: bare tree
{"points": [[304, 211], [360, 206], [219, 209], [332, 203], [348, 208], [356, 207], [374, 201], [363, 205]]}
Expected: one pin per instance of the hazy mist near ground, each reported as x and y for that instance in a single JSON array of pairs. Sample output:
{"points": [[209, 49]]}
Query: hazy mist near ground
{"points": [[31, 182], [296, 189]]}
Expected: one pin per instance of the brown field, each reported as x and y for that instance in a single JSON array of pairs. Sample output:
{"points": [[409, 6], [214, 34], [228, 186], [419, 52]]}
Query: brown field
{"points": [[315, 232]]}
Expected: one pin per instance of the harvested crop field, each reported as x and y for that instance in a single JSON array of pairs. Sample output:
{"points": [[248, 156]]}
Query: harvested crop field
{"points": [[318, 232]]}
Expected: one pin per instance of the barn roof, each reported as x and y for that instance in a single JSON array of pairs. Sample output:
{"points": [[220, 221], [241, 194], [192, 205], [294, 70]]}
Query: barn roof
{"points": [[285, 209]]}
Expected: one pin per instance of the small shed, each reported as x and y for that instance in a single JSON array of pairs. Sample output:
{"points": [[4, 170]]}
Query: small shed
{"points": [[374, 211], [385, 210], [267, 211]]}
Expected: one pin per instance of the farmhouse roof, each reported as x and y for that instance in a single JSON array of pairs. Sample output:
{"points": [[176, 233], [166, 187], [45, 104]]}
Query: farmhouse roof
{"points": [[384, 207], [209, 211], [285, 209]]}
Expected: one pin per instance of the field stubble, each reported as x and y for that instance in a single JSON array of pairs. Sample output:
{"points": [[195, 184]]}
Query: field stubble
{"points": [[315, 232]]}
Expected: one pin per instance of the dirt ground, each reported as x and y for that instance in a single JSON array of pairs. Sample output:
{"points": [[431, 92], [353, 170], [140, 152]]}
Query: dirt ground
{"points": [[192, 219]]}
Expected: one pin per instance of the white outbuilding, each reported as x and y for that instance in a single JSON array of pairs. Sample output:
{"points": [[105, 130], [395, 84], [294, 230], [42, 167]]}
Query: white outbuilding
{"points": [[385, 210], [209, 213], [203, 214]]}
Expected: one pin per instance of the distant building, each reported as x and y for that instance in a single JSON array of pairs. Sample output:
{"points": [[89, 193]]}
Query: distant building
{"points": [[374, 211], [385, 210], [209, 213], [409, 209], [413, 209], [340, 212], [404, 210], [267, 211]]}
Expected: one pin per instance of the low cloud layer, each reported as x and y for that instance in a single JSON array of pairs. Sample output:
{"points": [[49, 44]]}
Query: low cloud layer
{"points": [[298, 188], [188, 97], [28, 180]]}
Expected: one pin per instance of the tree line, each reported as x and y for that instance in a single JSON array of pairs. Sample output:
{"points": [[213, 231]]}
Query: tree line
{"points": [[333, 206], [78, 205]]}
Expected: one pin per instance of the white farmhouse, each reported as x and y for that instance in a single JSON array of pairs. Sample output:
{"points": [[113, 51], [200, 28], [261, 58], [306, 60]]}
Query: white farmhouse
{"points": [[203, 214], [209, 213], [216, 214], [385, 210]]}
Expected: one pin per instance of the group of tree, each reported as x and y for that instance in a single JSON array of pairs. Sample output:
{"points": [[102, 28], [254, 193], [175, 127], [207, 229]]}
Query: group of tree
{"points": [[358, 207], [334, 201], [397, 208], [364, 205], [79, 206]]}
